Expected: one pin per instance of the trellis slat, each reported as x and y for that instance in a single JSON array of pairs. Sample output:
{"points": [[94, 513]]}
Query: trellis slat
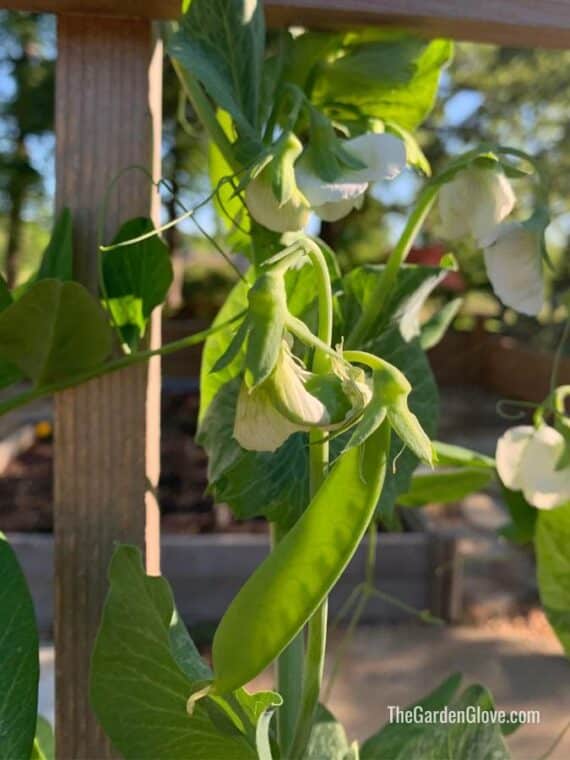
{"points": [[535, 23], [108, 116]]}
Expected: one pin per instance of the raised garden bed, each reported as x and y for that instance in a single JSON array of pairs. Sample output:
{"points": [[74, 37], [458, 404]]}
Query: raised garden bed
{"points": [[206, 571]]}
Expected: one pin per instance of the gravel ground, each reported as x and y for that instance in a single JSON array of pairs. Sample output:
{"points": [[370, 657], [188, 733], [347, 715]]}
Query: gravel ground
{"points": [[519, 660]]}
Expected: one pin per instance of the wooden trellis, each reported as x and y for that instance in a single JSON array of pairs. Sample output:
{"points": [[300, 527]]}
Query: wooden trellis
{"points": [[108, 115]]}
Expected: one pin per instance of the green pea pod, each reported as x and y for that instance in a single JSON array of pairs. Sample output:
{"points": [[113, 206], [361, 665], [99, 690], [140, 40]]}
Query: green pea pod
{"points": [[291, 584]]}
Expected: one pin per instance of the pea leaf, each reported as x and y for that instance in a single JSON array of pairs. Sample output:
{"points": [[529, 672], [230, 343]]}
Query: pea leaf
{"points": [[44, 744], [445, 487], [435, 740], [553, 569], [137, 278], [523, 517], [57, 259], [435, 328], [328, 739], [413, 286], [253, 483], [54, 331], [19, 662], [386, 76], [222, 44], [144, 668]]}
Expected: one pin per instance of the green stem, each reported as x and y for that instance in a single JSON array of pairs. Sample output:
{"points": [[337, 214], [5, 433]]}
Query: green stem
{"points": [[388, 278], [114, 366], [318, 467], [205, 113], [289, 670]]}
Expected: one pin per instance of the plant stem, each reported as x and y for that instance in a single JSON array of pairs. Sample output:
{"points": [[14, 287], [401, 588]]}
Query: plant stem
{"points": [[113, 366], [388, 278], [318, 467], [289, 670], [205, 112]]}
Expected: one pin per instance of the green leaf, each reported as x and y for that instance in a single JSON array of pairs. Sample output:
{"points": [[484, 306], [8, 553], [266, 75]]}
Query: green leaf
{"points": [[19, 661], [222, 44], [137, 278], [216, 346], [44, 743], [54, 331], [523, 517], [445, 487], [328, 739], [435, 328], [553, 569], [275, 485], [385, 76], [459, 456], [57, 259], [437, 740], [231, 208], [413, 285], [145, 667]]}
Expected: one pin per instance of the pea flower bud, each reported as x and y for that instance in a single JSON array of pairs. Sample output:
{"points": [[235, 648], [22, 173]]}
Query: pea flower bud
{"points": [[513, 263], [527, 460], [292, 399], [474, 202], [273, 198], [384, 157]]}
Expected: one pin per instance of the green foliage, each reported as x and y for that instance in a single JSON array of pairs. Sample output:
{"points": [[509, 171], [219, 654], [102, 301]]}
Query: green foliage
{"points": [[57, 259], [144, 669], [290, 585], [136, 277], [222, 44], [54, 331], [522, 527], [551, 544], [433, 741], [44, 743], [19, 662], [460, 472], [445, 487], [328, 739], [382, 75]]}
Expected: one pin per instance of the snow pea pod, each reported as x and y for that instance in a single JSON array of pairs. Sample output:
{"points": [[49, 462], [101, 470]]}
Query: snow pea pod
{"points": [[290, 585]]}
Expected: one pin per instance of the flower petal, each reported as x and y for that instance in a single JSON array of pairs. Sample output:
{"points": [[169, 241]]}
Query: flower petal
{"points": [[384, 155], [319, 192], [287, 390], [332, 212], [543, 486], [265, 209], [258, 426], [514, 268], [474, 202], [510, 451]]}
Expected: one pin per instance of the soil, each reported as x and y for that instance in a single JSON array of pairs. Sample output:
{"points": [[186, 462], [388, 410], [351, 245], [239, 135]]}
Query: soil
{"points": [[26, 484]]}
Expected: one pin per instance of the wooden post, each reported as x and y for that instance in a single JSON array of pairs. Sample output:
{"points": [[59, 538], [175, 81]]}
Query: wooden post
{"points": [[108, 116]]}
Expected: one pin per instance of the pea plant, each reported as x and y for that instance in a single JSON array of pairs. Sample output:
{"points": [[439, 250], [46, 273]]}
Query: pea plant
{"points": [[317, 400]]}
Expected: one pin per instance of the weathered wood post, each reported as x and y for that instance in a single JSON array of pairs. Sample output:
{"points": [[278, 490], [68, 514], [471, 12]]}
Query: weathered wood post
{"points": [[108, 116]]}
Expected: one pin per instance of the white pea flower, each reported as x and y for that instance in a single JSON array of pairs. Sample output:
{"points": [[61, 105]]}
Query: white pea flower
{"points": [[384, 156], [514, 268], [295, 400], [264, 207], [526, 460], [474, 202]]}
